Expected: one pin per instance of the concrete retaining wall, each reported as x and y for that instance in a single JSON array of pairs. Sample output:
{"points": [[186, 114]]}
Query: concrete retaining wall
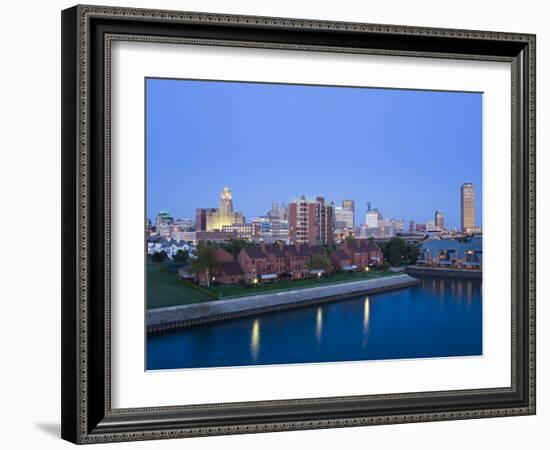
{"points": [[164, 319], [442, 272]]}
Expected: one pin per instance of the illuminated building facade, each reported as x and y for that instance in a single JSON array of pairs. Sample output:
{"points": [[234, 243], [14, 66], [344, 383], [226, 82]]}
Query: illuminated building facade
{"points": [[467, 207], [214, 219], [247, 231], [201, 217]]}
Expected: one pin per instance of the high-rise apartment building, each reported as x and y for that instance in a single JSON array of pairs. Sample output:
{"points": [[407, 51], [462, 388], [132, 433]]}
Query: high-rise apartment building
{"points": [[467, 207], [311, 221]]}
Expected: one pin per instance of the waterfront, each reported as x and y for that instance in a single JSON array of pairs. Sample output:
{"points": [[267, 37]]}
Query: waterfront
{"points": [[166, 319], [438, 318]]}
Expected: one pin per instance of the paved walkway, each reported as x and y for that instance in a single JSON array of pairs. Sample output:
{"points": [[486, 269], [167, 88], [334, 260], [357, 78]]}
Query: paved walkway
{"points": [[162, 319]]}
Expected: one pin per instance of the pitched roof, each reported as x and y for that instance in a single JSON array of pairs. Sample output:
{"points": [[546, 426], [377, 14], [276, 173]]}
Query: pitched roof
{"points": [[340, 254], [231, 268], [275, 250], [254, 252], [303, 250], [363, 245], [293, 250], [222, 255]]}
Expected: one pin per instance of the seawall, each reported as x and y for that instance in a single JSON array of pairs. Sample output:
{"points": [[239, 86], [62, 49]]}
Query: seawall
{"points": [[174, 317], [417, 271]]}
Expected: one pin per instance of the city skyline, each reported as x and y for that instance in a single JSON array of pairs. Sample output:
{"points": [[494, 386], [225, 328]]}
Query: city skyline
{"points": [[438, 221], [424, 143]]}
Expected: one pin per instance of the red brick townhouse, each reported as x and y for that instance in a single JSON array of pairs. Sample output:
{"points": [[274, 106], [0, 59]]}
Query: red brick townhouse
{"points": [[254, 263], [228, 272], [298, 257], [340, 260], [362, 252], [276, 259]]}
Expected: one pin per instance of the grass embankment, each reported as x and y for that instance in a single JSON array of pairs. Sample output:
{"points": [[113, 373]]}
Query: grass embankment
{"points": [[165, 288]]}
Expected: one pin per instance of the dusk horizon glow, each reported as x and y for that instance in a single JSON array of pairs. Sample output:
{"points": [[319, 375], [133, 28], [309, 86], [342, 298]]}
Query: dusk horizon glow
{"points": [[407, 152]]}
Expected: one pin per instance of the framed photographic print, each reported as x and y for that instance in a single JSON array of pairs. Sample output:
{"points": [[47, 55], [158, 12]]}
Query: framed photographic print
{"points": [[281, 224]]}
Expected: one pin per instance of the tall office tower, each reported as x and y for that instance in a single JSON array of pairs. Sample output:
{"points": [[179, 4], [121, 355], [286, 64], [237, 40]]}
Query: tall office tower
{"points": [[345, 214], [202, 215], [163, 219], [348, 204], [467, 207], [372, 217], [311, 221], [225, 215], [439, 220], [411, 226]]}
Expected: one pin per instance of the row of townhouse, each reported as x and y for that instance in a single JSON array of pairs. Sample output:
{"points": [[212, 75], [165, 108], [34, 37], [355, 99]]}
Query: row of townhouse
{"points": [[272, 262]]}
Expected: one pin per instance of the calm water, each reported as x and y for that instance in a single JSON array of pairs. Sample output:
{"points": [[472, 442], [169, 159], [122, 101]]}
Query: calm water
{"points": [[440, 317]]}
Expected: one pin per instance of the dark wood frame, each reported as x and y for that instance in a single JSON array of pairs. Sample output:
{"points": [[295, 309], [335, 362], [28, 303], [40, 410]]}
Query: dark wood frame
{"points": [[87, 416]]}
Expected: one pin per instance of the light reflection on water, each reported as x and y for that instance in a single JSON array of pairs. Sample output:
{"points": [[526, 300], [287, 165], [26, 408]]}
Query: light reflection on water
{"points": [[436, 318], [366, 318], [319, 325], [366, 315], [255, 340]]}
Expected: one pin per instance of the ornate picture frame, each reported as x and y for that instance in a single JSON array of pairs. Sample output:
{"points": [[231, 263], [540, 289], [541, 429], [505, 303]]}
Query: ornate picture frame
{"points": [[87, 413]]}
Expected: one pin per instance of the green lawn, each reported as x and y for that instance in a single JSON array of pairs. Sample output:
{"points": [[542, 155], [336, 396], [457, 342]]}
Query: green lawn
{"points": [[236, 290], [165, 288]]}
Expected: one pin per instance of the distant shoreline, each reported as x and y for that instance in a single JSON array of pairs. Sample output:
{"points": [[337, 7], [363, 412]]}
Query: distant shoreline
{"points": [[176, 317]]}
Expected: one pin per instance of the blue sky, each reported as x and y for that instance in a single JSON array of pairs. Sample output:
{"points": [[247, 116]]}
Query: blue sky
{"points": [[405, 151]]}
